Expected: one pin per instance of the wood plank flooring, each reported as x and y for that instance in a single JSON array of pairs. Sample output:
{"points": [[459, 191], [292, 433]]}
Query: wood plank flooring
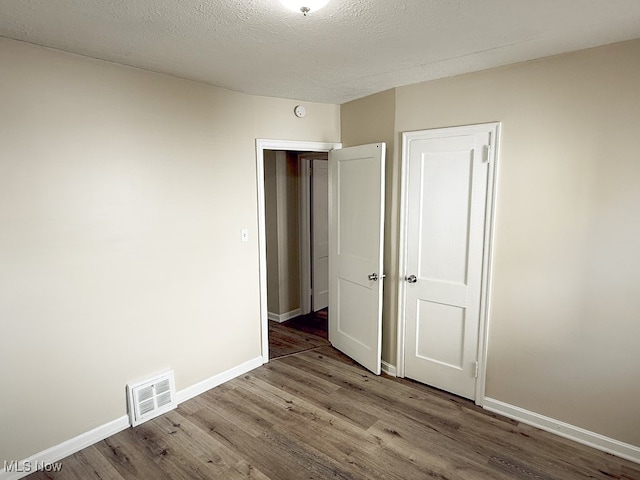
{"points": [[315, 323], [298, 334], [317, 415]]}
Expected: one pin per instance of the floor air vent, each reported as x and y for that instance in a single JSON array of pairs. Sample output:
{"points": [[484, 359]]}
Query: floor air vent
{"points": [[151, 398]]}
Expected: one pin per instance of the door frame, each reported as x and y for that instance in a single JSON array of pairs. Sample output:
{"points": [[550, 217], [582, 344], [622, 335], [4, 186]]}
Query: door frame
{"points": [[305, 161], [487, 255], [261, 146]]}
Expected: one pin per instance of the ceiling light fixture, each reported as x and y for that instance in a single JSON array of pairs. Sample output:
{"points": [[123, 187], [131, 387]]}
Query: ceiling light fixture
{"points": [[304, 6]]}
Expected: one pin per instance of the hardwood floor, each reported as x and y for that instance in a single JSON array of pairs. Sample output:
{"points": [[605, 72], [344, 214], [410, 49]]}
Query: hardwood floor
{"points": [[317, 415], [315, 323], [298, 334]]}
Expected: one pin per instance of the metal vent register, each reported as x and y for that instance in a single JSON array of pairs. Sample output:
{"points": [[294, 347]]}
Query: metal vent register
{"points": [[150, 398]]}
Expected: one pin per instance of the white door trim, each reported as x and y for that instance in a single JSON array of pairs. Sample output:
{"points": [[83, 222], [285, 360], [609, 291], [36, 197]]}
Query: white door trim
{"points": [[487, 257], [261, 146], [305, 161]]}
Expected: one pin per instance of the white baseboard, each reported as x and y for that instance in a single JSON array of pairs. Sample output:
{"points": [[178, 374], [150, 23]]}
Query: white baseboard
{"points": [[64, 449], [283, 317], [69, 447], [201, 387], [566, 430], [389, 369]]}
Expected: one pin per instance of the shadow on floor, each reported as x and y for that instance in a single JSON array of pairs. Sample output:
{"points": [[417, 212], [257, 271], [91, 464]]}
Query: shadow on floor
{"points": [[298, 334]]}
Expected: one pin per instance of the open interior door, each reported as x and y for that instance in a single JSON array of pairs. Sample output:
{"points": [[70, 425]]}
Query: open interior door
{"points": [[356, 231]]}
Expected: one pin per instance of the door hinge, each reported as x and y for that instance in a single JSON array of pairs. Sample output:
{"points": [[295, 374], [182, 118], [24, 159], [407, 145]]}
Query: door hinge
{"points": [[475, 370], [487, 153]]}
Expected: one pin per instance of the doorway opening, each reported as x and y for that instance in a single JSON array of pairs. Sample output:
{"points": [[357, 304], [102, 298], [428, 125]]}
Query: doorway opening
{"points": [[288, 311], [297, 219]]}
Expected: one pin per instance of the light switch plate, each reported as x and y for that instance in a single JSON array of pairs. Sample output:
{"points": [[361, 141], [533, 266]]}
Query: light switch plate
{"points": [[244, 235]]}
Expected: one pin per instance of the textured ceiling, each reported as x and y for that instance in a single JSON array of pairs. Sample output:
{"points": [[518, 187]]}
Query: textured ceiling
{"points": [[347, 50]]}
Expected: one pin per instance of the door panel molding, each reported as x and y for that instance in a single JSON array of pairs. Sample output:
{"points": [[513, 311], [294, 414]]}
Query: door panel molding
{"points": [[491, 156]]}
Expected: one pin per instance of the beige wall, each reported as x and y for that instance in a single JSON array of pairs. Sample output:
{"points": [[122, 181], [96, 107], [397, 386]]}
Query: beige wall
{"points": [[290, 296], [282, 218], [371, 120], [122, 197], [565, 305], [271, 231]]}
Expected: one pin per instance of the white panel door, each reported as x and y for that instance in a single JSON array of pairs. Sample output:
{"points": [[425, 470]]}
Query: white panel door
{"points": [[320, 234], [356, 224], [446, 194]]}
